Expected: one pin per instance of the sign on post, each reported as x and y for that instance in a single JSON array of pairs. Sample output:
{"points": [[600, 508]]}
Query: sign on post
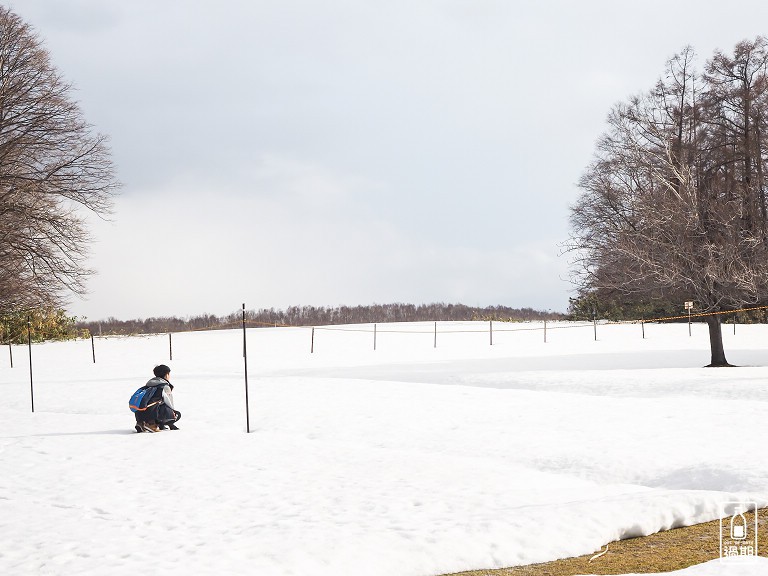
{"points": [[689, 307]]}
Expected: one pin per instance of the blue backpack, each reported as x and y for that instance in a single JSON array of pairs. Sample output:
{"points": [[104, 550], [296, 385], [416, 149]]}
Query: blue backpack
{"points": [[140, 399]]}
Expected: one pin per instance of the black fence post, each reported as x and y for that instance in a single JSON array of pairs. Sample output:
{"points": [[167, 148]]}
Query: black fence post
{"points": [[312, 342], [545, 330], [689, 322], [245, 363], [170, 346], [374, 337], [93, 349], [10, 346], [29, 343], [594, 325]]}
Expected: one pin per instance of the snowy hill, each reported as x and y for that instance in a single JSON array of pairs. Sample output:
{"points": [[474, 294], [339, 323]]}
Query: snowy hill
{"points": [[408, 460]]}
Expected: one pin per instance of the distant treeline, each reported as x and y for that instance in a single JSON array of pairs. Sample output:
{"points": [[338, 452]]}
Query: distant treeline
{"points": [[319, 316]]}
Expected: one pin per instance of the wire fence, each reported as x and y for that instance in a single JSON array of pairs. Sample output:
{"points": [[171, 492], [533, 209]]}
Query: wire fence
{"points": [[494, 325], [435, 328]]}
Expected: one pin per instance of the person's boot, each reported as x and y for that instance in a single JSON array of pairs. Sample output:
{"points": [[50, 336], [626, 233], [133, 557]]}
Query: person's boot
{"points": [[138, 428], [150, 427], [173, 426]]}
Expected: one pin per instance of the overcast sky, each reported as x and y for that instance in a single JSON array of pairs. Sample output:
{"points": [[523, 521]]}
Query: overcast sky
{"points": [[351, 152]]}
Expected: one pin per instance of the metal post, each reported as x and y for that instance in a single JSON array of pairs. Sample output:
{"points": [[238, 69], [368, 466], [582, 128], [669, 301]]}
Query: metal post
{"points": [[10, 346], [435, 334], [29, 343], [642, 326], [312, 345], [170, 346], [734, 324], [545, 330], [689, 321], [245, 362], [594, 324], [491, 331], [93, 349], [374, 337]]}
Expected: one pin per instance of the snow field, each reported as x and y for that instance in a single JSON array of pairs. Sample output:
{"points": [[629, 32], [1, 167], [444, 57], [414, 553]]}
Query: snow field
{"points": [[410, 460]]}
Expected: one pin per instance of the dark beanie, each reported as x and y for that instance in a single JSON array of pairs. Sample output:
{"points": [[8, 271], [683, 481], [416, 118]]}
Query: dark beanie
{"points": [[161, 371]]}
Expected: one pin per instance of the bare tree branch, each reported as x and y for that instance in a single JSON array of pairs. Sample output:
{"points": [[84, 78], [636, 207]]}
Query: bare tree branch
{"points": [[53, 169]]}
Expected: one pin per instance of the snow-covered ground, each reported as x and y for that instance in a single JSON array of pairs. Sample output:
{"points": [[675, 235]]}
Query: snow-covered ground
{"points": [[409, 460]]}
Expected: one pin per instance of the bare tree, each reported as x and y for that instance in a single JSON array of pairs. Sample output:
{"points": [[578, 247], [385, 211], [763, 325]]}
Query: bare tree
{"points": [[53, 169], [673, 206]]}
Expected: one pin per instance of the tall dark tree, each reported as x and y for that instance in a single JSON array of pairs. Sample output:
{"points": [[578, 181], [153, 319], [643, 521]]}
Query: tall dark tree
{"points": [[673, 205], [53, 170]]}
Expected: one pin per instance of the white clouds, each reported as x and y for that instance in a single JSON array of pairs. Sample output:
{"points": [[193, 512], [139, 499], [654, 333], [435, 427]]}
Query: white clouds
{"points": [[344, 152], [300, 235]]}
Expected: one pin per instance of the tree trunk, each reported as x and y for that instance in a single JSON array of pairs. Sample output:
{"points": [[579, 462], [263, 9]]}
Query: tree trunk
{"points": [[716, 342]]}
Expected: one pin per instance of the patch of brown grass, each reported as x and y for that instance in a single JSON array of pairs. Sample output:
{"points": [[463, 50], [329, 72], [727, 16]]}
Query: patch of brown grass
{"points": [[661, 552]]}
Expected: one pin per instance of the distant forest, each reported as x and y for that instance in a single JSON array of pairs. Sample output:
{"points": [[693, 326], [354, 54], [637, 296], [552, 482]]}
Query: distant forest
{"points": [[318, 316]]}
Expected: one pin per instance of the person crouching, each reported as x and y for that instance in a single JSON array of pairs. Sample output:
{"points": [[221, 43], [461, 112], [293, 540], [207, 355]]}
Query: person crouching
{"points": [[160, 413]]}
